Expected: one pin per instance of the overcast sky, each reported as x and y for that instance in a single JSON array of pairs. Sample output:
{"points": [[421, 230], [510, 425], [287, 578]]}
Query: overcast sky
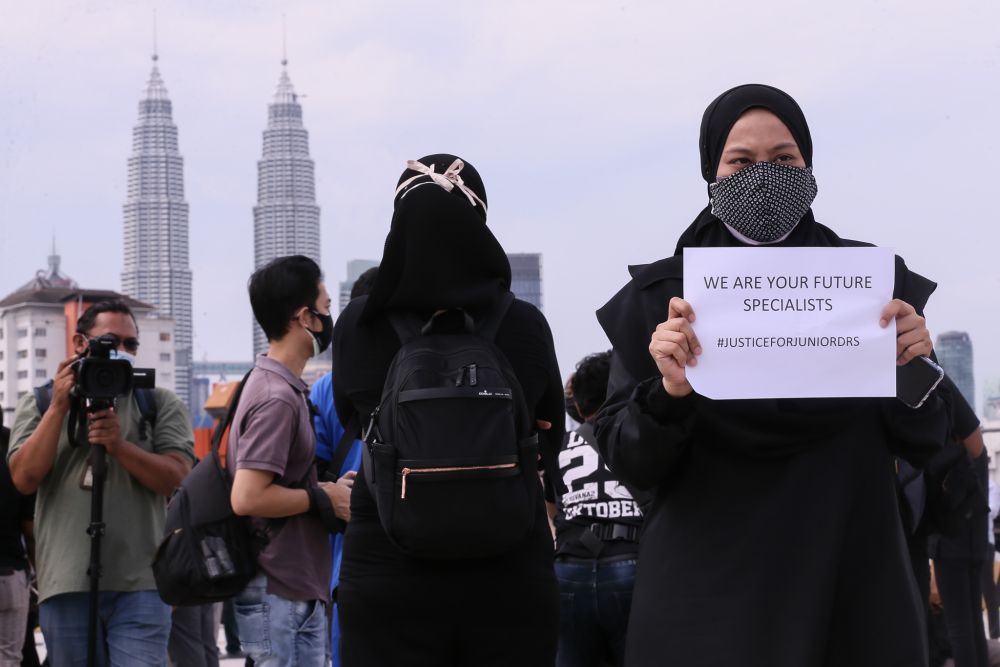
{"points": [[581, 116]]}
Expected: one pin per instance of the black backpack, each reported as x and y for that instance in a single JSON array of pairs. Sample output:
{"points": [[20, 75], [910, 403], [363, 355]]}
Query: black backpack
{"points": [[450, 452], [208, 553]]}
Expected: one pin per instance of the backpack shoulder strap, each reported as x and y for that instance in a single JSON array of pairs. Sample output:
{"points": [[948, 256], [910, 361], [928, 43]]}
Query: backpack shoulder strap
{"points": [[490, 324], [406, 325], [146, 400], [43, 397]]}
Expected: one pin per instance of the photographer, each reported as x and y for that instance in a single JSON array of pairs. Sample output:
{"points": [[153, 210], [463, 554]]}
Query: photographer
{"points": [[145, 463]]}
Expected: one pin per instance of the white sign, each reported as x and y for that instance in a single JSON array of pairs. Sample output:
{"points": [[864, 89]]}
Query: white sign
{"points": [[791, 322]]}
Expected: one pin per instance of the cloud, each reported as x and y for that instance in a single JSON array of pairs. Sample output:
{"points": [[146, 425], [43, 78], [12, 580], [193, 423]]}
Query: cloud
{"points": [[582, 116]]}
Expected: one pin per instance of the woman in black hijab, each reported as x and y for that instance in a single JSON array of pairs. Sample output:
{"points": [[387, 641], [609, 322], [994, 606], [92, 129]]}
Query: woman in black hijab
{"points": [[775, 538], [401, 611]]}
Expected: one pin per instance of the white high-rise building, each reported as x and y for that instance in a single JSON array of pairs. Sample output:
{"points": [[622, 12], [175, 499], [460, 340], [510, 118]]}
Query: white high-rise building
{"points": [[37, 323], [157, 270], [286, 217]]}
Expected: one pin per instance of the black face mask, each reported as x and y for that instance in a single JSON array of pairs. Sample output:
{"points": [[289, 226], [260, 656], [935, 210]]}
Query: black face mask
{"points": [[764, 201], [323, 337]]}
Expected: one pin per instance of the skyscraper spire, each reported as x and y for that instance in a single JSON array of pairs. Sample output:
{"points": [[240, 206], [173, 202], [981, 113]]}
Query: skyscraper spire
{"points": [[286, 217], [156, 267]]}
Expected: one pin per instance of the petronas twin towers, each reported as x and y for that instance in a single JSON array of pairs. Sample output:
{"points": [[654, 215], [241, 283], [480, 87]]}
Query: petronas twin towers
{"points": [[157, 269], [156, 257], [286, 217]]}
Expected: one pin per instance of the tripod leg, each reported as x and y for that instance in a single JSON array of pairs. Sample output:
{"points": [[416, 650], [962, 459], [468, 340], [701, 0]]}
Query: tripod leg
{"points": [[96, 531]]}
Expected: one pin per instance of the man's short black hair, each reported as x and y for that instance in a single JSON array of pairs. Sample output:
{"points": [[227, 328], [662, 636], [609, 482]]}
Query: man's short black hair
{"points": [[281, 288], [89, 317], [590, 382], [363, 285]]}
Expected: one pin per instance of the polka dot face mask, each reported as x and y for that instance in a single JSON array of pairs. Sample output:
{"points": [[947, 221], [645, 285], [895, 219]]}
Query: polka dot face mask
{"points": [[763, 202]]}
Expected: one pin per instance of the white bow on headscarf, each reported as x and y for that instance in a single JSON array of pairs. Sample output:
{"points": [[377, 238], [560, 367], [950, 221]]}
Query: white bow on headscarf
{"points": [[448, 180]]}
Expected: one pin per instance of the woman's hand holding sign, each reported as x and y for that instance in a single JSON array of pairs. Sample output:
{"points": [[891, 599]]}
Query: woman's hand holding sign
{"points": [[912, 337], [674, 346]]}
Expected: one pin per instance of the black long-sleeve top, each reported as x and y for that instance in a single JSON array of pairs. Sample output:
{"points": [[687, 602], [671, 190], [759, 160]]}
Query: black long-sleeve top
{"points": [[774, 538]]}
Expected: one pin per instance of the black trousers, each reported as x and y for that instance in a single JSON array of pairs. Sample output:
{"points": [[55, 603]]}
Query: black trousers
{"points": [[959, 583], [441, 621], [229, 625]]}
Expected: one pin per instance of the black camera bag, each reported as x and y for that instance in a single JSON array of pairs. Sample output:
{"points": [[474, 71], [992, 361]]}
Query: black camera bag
{"points": [[208, 553], [450, 453]]}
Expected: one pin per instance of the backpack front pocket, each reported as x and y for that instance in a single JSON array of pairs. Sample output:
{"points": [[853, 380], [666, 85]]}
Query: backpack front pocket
{"points": [[460, 508]]}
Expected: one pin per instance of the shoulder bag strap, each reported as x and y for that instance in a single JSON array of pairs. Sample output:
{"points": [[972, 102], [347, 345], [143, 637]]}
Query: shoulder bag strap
{"points": [[224, 423]]}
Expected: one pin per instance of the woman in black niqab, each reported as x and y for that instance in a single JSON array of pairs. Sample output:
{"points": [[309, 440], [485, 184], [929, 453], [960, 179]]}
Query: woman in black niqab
{"points": [[439, 253], [394, 609], [775, 538]]}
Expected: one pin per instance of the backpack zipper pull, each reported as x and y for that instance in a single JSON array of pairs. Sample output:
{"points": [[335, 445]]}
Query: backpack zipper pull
{"points": [[402, 492], [461, 377], [472, 375]]}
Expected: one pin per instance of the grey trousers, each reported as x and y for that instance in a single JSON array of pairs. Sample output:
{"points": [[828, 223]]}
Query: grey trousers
{"points": [[192, 637], [13, 616]]}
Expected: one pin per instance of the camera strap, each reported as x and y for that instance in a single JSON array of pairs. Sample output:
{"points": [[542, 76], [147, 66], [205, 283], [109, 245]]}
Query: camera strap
{"points": [[145, 400]]}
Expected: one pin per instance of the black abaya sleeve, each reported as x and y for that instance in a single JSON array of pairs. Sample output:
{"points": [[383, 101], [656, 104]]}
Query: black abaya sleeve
{"points": [[916, 435], [641, 431], [526, 341]]}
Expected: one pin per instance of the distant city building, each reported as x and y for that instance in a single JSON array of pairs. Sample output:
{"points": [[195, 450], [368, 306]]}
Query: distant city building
{"points": [[954, 353], [156, 268], [286, 217], [200, 389], [37, 323], [355, 268], [222, 371], [991, 409], [526, 277]]}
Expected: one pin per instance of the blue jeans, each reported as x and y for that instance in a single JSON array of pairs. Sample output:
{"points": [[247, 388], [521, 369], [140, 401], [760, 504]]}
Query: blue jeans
{"points": [[276, 632], [594, 602], [132, 628]]}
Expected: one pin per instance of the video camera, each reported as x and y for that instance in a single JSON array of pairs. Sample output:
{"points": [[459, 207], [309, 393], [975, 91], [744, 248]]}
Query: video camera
{"points": [[101, 379]]}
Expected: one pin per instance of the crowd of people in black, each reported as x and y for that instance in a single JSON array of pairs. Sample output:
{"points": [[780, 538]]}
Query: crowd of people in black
{"points": [[444, 498]]}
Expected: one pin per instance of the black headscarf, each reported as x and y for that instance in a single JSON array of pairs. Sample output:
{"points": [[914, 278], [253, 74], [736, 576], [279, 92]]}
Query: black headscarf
{"points": [[439, 253], [716, 123], [759, 428], [726, 109]]}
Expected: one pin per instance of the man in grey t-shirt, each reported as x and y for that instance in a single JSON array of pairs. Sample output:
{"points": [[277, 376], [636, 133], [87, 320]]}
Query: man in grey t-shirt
{"points": [[280, 616], [145, 463]]}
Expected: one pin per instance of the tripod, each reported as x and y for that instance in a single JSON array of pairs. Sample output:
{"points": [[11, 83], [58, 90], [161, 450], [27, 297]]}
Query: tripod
{"points": [[99, 471]]}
